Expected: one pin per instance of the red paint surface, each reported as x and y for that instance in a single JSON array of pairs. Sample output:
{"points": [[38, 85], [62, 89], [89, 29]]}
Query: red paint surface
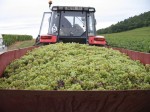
{"points": [[48, 39], [144, 58], [7, 57], [96, 41], [74, 101]]}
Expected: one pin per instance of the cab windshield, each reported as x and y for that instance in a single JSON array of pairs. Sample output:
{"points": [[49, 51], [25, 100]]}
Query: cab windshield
{"points": [[72, 23]]}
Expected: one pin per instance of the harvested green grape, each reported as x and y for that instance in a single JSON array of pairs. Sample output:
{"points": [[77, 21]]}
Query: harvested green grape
{"points": [[75, 66]]}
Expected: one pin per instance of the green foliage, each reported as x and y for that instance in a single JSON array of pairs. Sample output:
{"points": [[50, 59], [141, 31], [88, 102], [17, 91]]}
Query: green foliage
{"points": [[143, 20], [75, 67], [10, 39], [138, 39]]}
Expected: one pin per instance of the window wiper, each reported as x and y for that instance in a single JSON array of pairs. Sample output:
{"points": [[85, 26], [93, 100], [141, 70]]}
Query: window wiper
{"points": [[81, 21]]}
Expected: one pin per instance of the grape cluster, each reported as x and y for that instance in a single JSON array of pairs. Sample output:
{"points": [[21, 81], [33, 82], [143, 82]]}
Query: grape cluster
{"points": [[75, 66]]}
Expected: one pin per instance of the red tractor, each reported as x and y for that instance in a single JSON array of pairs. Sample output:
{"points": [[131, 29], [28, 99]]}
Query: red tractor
{"points": [[69, 24]]}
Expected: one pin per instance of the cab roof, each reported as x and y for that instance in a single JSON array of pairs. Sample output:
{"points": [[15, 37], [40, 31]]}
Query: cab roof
{"points": [[73, 8]]}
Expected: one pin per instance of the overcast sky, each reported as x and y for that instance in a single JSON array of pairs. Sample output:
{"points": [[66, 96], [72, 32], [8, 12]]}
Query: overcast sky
{"points": [[24, 16]]}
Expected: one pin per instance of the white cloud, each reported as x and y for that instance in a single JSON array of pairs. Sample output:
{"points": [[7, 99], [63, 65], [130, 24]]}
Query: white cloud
{"points": [[24, 16]]}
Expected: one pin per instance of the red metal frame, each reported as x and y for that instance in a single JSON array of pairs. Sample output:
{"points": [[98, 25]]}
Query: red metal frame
{"points": [[48, 39], [7, 57], [97, 40], [143, 57], [74, 101]]}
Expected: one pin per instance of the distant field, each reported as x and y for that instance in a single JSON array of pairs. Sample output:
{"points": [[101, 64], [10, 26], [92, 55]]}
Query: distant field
{"points": [[10, 39], [138, 39], [21, 44]]}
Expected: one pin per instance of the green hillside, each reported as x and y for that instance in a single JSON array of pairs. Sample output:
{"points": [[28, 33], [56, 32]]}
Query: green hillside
{"points": [[138, 39], [142, 20]]}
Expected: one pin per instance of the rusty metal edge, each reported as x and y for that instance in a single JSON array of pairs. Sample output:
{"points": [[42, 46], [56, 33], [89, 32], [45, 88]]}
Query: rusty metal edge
{"points": [[114, 101], [12, 55], [143, 57], [72, 93]]}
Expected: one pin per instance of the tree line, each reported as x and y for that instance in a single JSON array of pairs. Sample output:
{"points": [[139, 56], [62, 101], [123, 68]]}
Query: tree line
{"points": [[142, 20]]}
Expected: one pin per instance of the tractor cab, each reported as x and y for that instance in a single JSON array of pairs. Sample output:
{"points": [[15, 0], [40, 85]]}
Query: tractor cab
{"points": [[69, 24]]}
